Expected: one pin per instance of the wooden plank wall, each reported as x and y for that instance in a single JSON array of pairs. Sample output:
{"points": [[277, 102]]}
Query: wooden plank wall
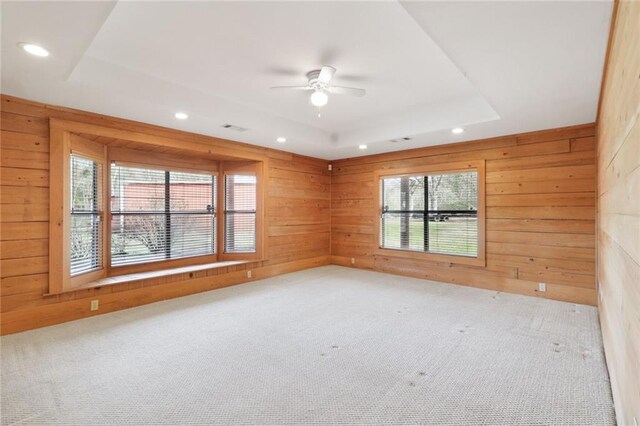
{"points": [[540, 213], [298, 203], [619, 212]]}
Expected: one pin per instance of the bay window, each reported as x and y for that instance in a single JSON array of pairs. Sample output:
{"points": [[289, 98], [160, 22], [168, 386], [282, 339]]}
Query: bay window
{"points": [[117, 210]]}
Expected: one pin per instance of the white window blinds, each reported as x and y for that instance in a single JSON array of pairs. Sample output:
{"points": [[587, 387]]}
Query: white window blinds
{"points": [[435, 213], [159, 214], [240, 214], [86, 219]]}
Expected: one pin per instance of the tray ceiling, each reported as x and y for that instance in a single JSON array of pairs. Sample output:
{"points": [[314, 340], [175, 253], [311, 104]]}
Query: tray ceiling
{"points": [[492, 68]]}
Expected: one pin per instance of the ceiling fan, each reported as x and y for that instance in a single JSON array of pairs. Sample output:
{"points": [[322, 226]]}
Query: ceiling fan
{"points": [[319, 83]]}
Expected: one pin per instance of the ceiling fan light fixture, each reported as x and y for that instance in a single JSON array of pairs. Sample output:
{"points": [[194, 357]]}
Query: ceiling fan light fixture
{"points": [[319, 83], [319, 98]]}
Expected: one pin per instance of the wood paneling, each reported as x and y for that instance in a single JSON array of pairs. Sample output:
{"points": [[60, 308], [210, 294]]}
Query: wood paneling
{"points": [[297, 215], [540, 214], [619, 211]]}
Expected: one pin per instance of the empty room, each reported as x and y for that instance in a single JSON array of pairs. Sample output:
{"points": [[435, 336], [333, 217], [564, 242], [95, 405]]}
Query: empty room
{"points": [[320, 212]]}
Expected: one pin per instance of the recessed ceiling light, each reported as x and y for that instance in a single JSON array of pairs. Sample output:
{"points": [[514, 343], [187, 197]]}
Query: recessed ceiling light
{"points": [[457, 130], [363, 146], [181, 115], [34, 49], [281, 140]]}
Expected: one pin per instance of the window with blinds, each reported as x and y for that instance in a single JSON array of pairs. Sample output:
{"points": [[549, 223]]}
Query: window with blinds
{"points": [[86, 217], [435, 213], [160, 214], [240, 214]]}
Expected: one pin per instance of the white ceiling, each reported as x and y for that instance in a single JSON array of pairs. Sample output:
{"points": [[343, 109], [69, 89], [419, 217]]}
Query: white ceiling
{"points": [[493, 68]]}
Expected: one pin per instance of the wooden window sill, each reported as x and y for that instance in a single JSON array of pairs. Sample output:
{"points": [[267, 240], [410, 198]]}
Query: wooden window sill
{"points": [[139, 276]]}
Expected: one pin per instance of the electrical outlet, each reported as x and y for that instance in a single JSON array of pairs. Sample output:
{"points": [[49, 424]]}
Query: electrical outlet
{"points": [[542, 287], [249, 274], [353, 260], [94, 305]]}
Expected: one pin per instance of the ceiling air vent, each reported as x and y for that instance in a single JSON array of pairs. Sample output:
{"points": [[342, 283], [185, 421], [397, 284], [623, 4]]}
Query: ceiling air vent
{"points": [[233, 127], [400, 140]]}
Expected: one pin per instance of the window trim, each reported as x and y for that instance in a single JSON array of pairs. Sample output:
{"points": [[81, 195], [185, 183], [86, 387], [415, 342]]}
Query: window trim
{"points": [[105, 143], [60, 208], [479, 167]]}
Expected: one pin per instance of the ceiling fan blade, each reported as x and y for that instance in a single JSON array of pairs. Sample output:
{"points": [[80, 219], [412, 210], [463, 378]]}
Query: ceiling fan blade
{"points": [[292, 87], [326, 74], [352, 91]]}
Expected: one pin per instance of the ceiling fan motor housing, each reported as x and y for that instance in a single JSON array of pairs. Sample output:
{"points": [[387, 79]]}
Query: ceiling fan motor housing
{"points": [[312, 76]]}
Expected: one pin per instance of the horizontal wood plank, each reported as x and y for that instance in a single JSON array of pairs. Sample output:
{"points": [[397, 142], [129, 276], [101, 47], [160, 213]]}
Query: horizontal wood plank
{"points": [[297, 212], [540, 213]]}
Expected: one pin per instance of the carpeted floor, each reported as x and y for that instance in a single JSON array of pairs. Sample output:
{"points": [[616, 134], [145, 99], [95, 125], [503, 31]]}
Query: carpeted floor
{"points": [[329, 345]]}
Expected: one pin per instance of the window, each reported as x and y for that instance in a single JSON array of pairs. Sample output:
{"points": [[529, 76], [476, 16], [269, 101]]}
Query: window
{"points": [[160, 214], [437, 212], [240, 214], [86, 216], [118, 211]]}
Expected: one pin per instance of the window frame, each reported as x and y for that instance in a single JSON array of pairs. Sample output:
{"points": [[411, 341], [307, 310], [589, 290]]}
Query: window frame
{"points": [[126, 147], [60, 208], [445, 168]]}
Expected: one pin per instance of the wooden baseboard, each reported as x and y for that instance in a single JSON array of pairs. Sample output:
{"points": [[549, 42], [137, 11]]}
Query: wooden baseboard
{"points": [[355, 262], [487, 281], [42, 316]]}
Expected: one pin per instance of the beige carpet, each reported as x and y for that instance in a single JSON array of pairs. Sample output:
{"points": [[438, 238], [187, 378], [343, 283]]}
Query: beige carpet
{"points": [[329, 345]]}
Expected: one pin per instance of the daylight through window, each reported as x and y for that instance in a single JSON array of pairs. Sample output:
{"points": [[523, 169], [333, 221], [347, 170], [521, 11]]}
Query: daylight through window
{"points": [[86, 216], [436, 213], [240, 214], [158, 214]]}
